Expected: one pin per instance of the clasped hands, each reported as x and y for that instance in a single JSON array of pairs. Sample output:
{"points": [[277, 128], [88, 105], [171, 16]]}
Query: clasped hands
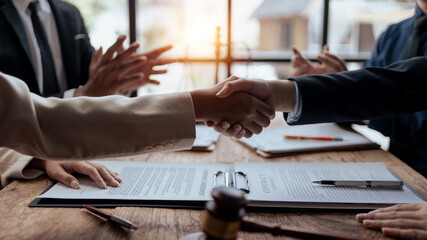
{"points": [[240, 107]]}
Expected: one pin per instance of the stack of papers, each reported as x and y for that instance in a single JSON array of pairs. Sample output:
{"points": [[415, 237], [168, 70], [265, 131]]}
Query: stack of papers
{"points": [[271, 142]]}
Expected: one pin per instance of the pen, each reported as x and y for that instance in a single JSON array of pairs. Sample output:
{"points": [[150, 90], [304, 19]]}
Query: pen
{"points": [[391, 184], [294, 137], [111, 217]]}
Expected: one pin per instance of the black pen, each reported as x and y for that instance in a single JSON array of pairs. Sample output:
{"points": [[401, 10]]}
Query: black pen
{"points": [[391, 184], [111, 217]]}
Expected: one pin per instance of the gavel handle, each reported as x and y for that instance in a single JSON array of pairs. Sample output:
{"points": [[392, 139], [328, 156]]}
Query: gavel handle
{"points": [[252, 226]]}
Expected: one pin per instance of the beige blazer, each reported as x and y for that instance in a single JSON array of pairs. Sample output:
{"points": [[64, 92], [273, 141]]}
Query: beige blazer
{"points": [[88, 128]]}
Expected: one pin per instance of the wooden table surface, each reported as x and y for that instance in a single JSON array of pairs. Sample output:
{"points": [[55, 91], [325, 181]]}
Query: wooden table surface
{"points": [[21, 222]]}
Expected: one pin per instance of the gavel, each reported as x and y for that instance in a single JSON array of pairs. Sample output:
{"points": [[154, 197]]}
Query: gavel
{"points": [[225, 217]]}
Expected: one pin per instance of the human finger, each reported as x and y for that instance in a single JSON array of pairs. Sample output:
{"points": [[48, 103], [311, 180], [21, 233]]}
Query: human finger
{"points": [[222, 127], [338, 60], [391, 215], [106, 175], [298, 59], [325, 49], [209, 123], [331, 63], [233, 130], [163, 71], [59, 174], [266, 110], [248, 133], [240, 134], [400, 207], [112, 49], [239, 85], [410, 234], [92, 172], [131, 82], [114, 175], [122, 57], [158, 51], [261, 120], [394, 223], [131, 67], [253, 127], [160, 62]]}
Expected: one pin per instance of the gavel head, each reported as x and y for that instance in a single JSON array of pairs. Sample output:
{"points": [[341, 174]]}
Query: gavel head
{"points": [[224, 213]]}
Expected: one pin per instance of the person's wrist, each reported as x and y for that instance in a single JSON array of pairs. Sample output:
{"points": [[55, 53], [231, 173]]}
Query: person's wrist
{"points": [[37, 163], [284, 95], [198, 100]]}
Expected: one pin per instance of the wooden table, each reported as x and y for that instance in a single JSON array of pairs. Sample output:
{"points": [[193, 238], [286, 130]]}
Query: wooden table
{"points": [[21, 222]]}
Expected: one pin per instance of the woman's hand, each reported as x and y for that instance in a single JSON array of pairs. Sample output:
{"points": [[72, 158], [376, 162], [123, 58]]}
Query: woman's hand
{"points": [[62, 172]]}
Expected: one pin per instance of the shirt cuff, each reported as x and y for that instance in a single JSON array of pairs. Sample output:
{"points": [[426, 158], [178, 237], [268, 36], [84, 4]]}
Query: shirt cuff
{"points": [[296, 113], [69, 93]]}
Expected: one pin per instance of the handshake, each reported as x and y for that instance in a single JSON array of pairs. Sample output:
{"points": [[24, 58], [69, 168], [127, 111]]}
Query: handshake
{"points": [[240, 107]]}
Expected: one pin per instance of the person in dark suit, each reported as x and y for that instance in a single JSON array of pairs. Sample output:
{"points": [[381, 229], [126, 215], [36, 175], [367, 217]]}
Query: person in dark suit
{"points": [[368, 93], [45, 43], [403, 40]]}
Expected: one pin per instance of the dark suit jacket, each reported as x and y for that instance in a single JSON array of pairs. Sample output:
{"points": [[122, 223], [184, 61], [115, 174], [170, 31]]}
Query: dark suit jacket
{"points": [[15, 56], [367, 93]]}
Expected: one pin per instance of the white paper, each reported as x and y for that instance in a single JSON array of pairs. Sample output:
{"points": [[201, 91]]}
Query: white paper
{"points": [[205, 136], [281, 184], [147, 181], [291, 182], [272, 140]]}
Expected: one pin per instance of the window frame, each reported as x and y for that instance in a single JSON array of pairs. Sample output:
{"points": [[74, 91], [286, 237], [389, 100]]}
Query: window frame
{"points": [[228, 59]]}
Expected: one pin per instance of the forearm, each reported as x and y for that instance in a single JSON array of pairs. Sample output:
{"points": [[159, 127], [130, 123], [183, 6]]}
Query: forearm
{"points": [[283, 95], [86, 128], [364, 94]]}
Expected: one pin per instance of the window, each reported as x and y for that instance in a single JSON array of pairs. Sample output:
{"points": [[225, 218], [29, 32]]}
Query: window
{"points": [[255, 35]]}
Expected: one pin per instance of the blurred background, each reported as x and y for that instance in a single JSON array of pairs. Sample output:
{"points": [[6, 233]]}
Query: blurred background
{"points": [[255, 36]]}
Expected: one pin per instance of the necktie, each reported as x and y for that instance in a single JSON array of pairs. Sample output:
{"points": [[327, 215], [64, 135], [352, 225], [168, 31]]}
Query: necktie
{"points": [[415, 42], [50, 83]]}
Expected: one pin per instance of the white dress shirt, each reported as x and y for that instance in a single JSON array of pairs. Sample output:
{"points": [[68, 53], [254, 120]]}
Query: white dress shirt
{"points": [[46, 17]]}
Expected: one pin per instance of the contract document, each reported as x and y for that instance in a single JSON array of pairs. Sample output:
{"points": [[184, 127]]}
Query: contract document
{"points": [[282, 184]]}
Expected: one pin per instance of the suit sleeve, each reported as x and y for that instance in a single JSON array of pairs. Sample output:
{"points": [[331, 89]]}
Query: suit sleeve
{"points": [[367, 93], [88, 128], [13, 166]]}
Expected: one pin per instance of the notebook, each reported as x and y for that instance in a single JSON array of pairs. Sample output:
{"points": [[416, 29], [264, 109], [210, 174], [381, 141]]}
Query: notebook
{"points": [[271, 142]]}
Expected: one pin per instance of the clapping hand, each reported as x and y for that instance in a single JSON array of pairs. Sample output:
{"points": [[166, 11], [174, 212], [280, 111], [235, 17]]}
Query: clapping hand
{"points": [[329, 63]]}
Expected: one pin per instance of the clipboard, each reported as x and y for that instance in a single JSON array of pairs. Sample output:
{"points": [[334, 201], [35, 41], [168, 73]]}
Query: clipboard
{"points": [[268, 185]]}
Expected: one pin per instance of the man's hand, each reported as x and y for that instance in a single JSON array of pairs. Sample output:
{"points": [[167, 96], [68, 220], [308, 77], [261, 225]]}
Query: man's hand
{"points": [[278, 94], [329, 63], [240, 108], [153, 61], [61, 171], [403, 221], [120, 70]]}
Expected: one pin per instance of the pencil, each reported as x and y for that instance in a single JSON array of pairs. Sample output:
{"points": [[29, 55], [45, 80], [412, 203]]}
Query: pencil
{"points": [[320, 138]]}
